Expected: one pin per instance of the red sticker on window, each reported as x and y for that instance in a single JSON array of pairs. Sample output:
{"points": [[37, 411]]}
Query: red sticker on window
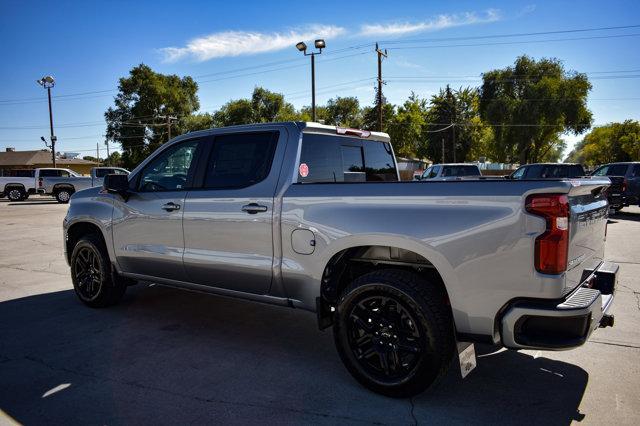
{"points": [[303, 170]]}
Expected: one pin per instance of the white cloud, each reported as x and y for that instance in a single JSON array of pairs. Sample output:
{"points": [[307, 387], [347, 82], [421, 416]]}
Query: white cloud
{"points": [[440, 22], [236, 43]]}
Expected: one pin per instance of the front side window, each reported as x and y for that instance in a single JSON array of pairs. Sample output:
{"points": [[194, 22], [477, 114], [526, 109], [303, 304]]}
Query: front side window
{"points": [[240, 160], [602, 171], [434, 172], [519, 174], [170, 170]]}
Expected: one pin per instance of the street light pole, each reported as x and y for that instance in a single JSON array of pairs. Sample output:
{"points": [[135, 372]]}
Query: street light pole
{"points": [[313, 87], [48, 82], [302, 47]]}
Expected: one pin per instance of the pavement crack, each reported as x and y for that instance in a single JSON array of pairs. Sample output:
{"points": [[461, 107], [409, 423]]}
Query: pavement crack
{"points": [[412, 412], [622, 345]]}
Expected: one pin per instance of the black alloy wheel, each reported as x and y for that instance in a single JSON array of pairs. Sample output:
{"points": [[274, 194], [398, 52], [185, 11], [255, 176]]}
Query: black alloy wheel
{"points": [[88, 273], [394, 332]]}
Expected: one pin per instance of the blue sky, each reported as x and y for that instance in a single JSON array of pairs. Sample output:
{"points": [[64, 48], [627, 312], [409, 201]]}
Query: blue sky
{"points": [[88, 45]]}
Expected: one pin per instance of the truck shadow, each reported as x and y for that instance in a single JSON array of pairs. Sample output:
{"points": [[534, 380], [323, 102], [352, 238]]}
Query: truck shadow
{"points": [[625, 215], [170, 356], [29, 201]]}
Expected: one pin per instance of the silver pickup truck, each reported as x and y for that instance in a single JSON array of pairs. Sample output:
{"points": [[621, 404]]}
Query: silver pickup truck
{"points": [[64, 185], [314, 217]]}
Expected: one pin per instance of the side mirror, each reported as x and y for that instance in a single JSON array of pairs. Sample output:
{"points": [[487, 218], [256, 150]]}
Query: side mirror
{"points": [[116, 184]]}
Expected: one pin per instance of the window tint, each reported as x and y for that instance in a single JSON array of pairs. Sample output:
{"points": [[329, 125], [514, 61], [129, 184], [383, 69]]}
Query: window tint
{"points": [[353, 164], [169, 171], [519, 174], [378, 162], [602, 171], [100, 173], [460, 171], [434, 172], [21, 173], [636, 170], [120, 172], [427, 172], [240, 160], [575, 170], [617, 170], [49, 173]]}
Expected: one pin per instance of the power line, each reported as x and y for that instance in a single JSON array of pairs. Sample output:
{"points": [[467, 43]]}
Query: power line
{"points": [[516, 42], [480, 37]]}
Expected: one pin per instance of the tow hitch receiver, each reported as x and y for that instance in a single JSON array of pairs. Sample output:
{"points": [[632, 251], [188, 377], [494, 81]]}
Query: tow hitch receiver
{"points": [[606, 321]]}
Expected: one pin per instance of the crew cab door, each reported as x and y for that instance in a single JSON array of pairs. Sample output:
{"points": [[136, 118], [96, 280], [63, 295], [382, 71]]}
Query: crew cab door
{"points": [[228, 219], [147, 227]]}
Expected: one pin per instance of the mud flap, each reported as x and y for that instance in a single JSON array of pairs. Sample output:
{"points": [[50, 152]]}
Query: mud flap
{"points": [[467, 357]]}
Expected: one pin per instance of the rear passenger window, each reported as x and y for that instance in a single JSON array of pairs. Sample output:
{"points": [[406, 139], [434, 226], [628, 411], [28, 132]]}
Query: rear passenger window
{"points": [[330, 158], [617, 170], [636, 170], [240, 160]]}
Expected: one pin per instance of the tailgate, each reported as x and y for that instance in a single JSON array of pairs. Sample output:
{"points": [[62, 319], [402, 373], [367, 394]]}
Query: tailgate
{"points": [[588, 221]]}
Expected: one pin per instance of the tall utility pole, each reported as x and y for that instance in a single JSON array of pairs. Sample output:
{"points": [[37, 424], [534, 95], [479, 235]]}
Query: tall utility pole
{"points": [[169, 118], [48, 82], [381, 54], [98, 152], [107, 159]]}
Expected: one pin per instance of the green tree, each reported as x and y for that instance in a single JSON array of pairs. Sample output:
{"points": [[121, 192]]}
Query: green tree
{"points": [[610, 143], [530, 104], [114, 159], [454, 118], [370, 115], [263, 107], [344, 111], [406, 129], [192, 123], [138, 120]]}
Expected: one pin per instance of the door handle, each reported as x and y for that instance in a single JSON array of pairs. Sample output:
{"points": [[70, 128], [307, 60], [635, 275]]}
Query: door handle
{"points": [[171, 207], [254, 208]]}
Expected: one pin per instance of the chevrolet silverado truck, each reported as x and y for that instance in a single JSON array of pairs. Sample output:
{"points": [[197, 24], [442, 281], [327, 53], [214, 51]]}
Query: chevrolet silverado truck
{"points": [[63, 185], [314, 217], [17, 185]]}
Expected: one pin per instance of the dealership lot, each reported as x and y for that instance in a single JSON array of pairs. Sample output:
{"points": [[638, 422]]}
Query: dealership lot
{"points": [[167, 356]]}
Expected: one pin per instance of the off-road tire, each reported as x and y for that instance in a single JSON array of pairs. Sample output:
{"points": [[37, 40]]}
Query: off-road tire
{"points": [[417, 298]]}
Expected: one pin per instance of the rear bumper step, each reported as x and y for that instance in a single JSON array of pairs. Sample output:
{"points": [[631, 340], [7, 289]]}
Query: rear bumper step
{"points": [[565, 323]]}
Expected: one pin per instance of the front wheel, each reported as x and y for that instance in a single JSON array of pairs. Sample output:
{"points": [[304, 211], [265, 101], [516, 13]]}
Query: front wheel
{"points": [[93, 280], [394, 332]]}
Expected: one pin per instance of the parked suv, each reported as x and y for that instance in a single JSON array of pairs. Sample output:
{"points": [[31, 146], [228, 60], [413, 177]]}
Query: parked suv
{"points": [[629, 188], [314, 217], [548, 171], [450, 171]]}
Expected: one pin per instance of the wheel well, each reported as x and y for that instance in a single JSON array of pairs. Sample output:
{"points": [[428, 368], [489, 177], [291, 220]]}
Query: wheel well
{"points": [[349, 264], [68, 187], [79, 230], [10, 186]]}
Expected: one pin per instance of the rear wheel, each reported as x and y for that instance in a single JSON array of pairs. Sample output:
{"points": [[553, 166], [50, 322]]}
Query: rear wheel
{"points": [[93, 280], [394, 332], [16, 194], [63, 195]]}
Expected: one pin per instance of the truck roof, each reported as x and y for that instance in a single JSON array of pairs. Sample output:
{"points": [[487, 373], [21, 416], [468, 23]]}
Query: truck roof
{"points": [[304, 126]]}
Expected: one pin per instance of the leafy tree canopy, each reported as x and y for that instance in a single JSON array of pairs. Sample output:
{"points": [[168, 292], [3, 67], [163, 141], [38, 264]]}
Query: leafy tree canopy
{"points": [[530, 104], [607, 144], [145, 98]]}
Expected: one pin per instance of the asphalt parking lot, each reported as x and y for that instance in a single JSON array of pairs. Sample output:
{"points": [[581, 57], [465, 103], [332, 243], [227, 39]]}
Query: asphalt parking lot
{"points": [[165, 356]]}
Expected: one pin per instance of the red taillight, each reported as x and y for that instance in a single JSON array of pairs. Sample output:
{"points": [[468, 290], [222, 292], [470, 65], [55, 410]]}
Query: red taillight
{"points": [[552, 247], [624, 185]]}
